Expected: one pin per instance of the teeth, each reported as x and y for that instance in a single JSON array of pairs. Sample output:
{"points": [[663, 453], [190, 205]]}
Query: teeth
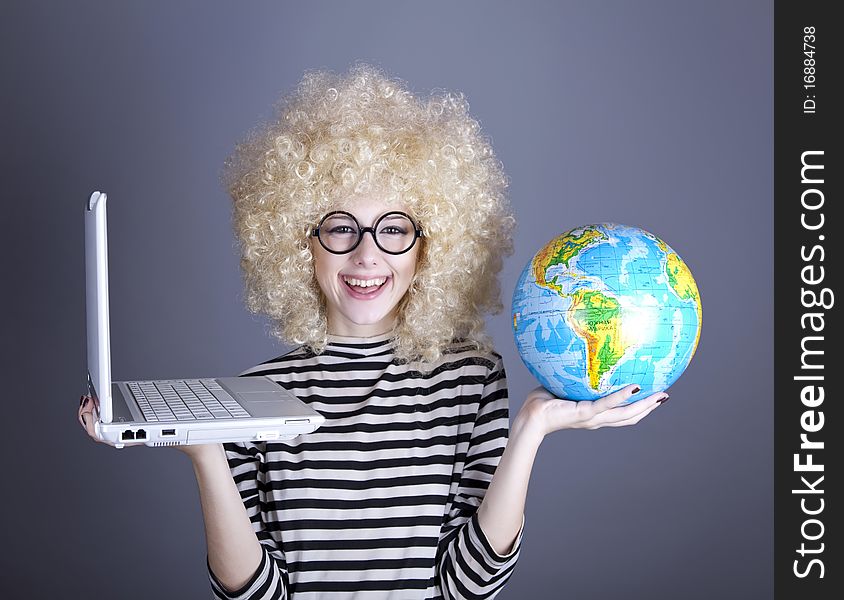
{"points": [[364, 282]]}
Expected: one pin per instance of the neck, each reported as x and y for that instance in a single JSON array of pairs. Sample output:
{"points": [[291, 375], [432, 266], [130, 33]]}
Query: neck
{"points": [[344, 328]]}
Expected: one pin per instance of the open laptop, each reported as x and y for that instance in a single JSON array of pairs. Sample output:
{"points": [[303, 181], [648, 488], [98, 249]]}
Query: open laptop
{"points": [[174, 412]]}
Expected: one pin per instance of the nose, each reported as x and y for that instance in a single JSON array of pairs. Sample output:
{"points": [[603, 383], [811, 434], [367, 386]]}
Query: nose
{"points": [[367, 252]]}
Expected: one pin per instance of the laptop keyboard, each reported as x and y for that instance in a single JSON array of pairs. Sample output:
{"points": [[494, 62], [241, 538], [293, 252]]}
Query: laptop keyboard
{"points": [[184, 400]]}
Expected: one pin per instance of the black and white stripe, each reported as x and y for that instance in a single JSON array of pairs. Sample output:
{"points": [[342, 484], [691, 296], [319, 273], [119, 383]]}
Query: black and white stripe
{"points": [[381, 500]]}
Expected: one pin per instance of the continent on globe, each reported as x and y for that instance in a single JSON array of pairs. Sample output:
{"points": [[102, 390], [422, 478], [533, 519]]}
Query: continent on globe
{"points": [[603, 306], [596, 318]]}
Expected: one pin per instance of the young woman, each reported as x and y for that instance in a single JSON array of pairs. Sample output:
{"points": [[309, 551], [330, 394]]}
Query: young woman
{"points": [[373, 225]]}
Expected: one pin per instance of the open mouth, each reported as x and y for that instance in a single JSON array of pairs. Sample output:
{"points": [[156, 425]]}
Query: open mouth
{"points": [[364, 287]]}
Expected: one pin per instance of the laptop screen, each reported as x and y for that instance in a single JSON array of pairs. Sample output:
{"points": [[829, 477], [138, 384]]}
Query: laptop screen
{"points": [[96, 304]]}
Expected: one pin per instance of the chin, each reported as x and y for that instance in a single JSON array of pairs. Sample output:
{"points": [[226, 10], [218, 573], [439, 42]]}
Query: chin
{"points": [[369, 321]]}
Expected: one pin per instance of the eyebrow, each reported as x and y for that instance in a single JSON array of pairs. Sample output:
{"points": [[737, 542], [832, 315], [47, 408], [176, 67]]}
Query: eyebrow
{"points": [[386, 216]]}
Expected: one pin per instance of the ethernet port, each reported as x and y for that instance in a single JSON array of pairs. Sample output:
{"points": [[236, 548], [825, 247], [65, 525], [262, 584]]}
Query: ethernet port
{"points": [[127, 435], [140, 434]]}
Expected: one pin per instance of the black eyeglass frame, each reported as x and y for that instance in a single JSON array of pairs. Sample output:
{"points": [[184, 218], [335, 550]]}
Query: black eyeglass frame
{"points": [[418, 233]]}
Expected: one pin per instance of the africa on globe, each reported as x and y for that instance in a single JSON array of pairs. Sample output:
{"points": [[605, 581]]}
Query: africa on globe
{"points": [[603, 306]]}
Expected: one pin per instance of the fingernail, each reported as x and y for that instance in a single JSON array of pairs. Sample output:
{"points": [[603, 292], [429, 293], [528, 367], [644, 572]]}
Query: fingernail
{"points": [[663, 400], [87, 398], [81, 400], [636, 390]]}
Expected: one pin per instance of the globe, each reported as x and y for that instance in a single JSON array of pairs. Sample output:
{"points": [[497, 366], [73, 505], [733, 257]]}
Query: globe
{"points": [[603, 306]]}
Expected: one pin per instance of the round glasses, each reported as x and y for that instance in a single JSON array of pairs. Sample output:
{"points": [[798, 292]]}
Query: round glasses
{"points": [[394, 232]]}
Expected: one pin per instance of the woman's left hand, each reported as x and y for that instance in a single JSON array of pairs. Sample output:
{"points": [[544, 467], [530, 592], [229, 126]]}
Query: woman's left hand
{"points": [[543, 413]]}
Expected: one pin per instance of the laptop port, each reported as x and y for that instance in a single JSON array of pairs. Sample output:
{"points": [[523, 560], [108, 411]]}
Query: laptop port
{"points": [[168, 432], [127, 435], [140, 434]]}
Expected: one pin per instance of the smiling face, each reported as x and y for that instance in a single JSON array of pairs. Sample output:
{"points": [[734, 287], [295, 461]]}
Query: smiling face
{"points": [[363, 288]]}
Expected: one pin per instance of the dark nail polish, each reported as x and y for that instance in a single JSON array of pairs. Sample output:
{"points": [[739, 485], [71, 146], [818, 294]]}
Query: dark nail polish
{"points": [[636, 390], [662, 400], [87, 398], [81, 400]]}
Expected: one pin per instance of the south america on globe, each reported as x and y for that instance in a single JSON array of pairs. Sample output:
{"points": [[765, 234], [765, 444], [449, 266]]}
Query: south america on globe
{"points": [[603, 306]]}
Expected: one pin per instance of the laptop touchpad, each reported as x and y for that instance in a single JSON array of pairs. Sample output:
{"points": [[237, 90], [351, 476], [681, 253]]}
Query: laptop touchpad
{"points": [[262, 404], [251, 397], [248, 384]]}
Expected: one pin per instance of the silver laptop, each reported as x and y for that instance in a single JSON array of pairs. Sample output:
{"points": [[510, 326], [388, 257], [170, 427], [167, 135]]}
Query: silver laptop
{"points": [[172, 412]]}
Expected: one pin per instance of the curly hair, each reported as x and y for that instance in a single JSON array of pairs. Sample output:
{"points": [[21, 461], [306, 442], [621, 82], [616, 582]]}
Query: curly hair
{"points": [[342, 135]]}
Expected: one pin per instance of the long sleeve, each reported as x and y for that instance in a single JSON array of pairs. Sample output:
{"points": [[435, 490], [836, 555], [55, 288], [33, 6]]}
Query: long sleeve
{"points": [[271, 578], [467, 565]]}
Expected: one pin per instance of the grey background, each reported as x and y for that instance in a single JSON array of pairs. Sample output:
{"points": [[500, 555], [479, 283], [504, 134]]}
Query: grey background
{"points": [[656, 114]]}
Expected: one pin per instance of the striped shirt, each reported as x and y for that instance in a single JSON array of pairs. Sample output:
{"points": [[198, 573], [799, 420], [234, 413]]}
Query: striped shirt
{"points": [[381, 500]]}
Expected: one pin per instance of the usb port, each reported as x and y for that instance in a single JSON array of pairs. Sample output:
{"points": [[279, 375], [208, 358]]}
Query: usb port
{"points": [[168, 432]]}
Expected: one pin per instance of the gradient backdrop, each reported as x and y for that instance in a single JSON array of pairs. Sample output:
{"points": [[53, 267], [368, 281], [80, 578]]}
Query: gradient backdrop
{"points": [[656, 114]]}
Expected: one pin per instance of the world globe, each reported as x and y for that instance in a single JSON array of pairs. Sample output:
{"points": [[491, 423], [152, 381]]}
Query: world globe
{"points": [[604, 306]]}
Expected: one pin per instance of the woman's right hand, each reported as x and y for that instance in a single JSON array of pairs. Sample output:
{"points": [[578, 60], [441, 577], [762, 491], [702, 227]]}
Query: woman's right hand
{"points": [[88, 415]]}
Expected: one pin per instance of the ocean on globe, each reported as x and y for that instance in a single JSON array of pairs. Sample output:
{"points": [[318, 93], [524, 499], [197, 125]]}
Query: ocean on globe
{"points": [[603, 306]]}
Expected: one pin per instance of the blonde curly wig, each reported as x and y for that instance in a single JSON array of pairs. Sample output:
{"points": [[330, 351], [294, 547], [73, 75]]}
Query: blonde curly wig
{"points": [[342, 135]]}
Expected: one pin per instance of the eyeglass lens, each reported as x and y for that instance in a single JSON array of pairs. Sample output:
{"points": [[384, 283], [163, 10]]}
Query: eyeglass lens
{"points": [[394, 233]]}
